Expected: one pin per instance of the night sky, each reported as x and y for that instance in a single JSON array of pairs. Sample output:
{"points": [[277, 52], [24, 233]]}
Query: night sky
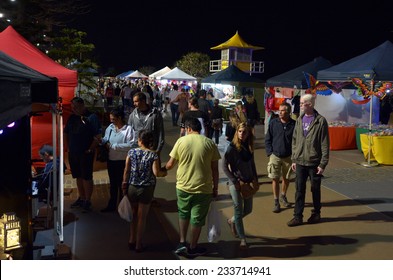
{"points": [[132, 34]]}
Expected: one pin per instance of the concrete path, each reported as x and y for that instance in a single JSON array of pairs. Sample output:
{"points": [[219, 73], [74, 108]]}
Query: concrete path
{"points": [[357, 217]]}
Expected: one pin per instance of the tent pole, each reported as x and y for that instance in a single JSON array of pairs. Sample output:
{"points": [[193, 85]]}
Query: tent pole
{"points": [[369, 131], [369, 163], [61, 189], [54, 176], [62, 250]]}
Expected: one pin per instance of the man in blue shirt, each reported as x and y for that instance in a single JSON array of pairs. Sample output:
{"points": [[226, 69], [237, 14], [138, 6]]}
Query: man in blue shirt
{"points": [[278, 145]]}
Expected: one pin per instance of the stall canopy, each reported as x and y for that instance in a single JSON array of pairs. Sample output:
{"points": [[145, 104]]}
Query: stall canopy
{"points": [[231, 75], [378, 62], [124, 74], [136, 75], [17, 47], [160, 72], [295, 77], [177, 74], [13, 44], [19, 86]]}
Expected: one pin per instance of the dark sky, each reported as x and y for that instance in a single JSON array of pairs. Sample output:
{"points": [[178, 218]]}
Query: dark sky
{"points": [[132, 34]]}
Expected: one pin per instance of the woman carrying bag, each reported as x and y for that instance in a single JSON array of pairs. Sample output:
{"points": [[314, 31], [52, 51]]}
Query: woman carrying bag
{"points": [[239, 166], [117, 139], [139, 181]]}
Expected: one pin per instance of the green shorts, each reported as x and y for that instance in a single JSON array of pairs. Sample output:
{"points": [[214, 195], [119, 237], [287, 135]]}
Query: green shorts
{"points": [[278, 167], [193, 207]]}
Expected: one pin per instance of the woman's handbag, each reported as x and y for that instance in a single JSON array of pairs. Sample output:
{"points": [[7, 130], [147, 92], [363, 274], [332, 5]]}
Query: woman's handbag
{"points": [[103, 151], [248, 190], [125, 209]]}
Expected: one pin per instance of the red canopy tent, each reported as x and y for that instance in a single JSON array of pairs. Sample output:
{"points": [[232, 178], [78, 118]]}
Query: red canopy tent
{"points": [[16, 46]]}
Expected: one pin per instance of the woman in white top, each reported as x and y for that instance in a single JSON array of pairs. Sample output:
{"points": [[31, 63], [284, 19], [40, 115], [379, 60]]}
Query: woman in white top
{"points": [[118, 138]]}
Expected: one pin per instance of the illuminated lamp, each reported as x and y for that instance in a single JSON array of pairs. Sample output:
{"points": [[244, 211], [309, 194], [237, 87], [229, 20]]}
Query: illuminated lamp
{"points": [[10, 231]]}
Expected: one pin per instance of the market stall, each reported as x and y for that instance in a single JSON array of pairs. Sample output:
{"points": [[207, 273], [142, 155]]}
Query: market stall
{"points": [[17, 47], [371, 73], [19, 87], [231, 84]]}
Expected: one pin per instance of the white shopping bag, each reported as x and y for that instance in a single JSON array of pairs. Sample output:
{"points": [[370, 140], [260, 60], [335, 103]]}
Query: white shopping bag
{"points": [[125, 209], [213, 223]]}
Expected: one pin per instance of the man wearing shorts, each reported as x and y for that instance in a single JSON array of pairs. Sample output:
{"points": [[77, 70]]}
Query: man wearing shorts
{"points": [[278, 145], [82, 134], [196, 182]]}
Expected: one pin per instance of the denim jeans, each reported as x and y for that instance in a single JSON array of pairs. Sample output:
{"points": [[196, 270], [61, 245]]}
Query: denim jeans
{"points": [[175, 113], [302, 174], [241, 209]]}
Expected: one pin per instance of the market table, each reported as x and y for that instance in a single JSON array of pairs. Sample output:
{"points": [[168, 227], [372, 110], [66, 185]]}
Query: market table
{"points": [[381, 148], [360, 130], [342, 137]]}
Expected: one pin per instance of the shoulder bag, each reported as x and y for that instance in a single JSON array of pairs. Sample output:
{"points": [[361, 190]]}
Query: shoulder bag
{"points": [[103, 151], [248, 190]]}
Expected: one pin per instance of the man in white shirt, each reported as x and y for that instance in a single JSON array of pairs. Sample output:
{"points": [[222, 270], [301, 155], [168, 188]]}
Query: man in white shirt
{"points": [[174, 105]]}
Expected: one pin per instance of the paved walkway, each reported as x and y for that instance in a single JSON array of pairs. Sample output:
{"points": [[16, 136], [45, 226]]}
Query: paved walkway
{"points": [[357, 217]]}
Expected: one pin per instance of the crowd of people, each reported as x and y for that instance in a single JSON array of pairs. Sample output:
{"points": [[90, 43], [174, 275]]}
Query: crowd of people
{"points": [[135, 144]]}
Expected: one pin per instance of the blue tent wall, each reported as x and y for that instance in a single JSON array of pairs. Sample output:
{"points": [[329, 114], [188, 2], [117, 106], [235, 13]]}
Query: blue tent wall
{"points": [[295, 77], [378, 62]]}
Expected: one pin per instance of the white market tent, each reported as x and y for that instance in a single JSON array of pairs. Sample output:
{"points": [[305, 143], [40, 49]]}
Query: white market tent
{"points": [[177, 74], [160, 72], [124, 74], [136, 75]]}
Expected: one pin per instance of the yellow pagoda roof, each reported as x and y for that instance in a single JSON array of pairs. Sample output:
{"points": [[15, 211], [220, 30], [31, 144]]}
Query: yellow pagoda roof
{"points": [[237, 42]]}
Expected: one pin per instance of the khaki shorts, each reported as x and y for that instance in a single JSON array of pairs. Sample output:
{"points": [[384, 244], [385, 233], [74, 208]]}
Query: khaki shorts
{"points": [[278, 167]]}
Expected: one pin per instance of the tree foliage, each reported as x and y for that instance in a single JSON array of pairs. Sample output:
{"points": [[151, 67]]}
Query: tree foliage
{"points": [[69, 50], [194, 63], [147, 70], [44, 24], [39, 20]]}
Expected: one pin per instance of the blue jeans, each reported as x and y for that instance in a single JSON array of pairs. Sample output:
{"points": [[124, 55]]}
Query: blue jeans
{"points": [[241, 209], [302, 174], [175, 113]]}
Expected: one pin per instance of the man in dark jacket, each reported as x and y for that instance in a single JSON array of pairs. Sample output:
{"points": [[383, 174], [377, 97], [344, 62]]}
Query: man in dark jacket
{"points": [[278, 145], [310, 156]]}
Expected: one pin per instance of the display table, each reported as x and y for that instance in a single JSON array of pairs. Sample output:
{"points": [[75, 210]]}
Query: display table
{"points": [[342, 137], [381, 148]]}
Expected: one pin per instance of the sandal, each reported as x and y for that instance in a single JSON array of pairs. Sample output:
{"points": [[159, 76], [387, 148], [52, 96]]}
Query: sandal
{"points": [[232, 228], [243, 244]]}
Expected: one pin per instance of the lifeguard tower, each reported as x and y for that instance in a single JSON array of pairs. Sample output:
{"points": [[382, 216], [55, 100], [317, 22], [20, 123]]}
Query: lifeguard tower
{"points": [[237, 52]]}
